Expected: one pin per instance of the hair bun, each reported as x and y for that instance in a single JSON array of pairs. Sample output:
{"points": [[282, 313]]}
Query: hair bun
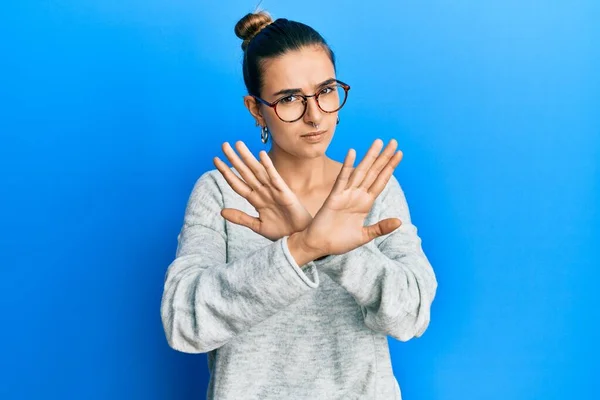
{"points": [[250, 25]]}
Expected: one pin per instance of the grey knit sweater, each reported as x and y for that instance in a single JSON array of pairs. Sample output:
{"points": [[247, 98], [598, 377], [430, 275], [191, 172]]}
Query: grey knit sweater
{"points": [[273, 330]]}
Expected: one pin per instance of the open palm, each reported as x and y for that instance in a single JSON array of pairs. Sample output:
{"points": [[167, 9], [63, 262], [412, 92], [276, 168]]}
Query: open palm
{"points": [[338, 227], [280, 212]]}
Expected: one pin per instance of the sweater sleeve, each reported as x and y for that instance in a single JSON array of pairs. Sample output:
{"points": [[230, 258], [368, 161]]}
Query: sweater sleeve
{"points": [[390, 277], [207, 301]]}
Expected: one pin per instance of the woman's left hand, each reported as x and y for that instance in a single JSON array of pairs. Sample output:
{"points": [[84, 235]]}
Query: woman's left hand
{"points": [[280, 211], [338, 227]]}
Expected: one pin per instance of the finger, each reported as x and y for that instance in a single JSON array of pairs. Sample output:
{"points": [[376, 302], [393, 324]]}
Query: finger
{"points": [[381, 228], [276, 179], [241, 218], [237, 184], [244, 171], [385, 174], [347, 168], [361, 170], [379, 164], [257, 168]]}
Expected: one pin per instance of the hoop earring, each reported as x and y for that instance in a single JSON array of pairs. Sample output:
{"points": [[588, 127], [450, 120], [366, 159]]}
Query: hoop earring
{"points": [[338, 120], [264, 134]]}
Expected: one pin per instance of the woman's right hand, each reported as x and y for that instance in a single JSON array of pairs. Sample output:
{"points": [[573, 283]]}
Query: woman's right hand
{"points": [[280, 212]]}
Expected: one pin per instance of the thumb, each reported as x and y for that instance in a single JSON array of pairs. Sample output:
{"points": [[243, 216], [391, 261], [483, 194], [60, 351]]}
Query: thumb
{"points": [[381, 228], [241, 218]]}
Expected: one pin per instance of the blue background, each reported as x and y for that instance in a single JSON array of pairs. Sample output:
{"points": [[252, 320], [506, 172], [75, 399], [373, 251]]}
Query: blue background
{"points": [[110, 110]]}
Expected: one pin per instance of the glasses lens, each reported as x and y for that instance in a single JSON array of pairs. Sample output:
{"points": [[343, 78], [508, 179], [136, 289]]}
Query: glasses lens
{"points": [[290, 108], [332, 98]]}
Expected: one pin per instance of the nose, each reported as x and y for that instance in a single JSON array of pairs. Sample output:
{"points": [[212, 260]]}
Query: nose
{"points": [[313, 114]]}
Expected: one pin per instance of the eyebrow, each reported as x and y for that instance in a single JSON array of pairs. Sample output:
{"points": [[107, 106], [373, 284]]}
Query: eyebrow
{"points": [[292, 91]]}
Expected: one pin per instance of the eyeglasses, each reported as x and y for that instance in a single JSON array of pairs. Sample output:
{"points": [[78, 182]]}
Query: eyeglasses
{"points": [[290, 108]]}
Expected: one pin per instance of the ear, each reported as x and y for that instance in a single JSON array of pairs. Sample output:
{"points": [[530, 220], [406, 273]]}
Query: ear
{"points": [[254, 108]]}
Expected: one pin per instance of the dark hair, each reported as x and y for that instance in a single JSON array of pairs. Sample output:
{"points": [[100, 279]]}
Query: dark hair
{"points": [[264, 38]]}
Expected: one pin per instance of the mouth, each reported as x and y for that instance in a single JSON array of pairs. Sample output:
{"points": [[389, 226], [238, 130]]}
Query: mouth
{"points": [[313, 134], [314, 137]]}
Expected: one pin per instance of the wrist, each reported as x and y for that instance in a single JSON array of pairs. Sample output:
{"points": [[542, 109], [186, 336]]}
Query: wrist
{"points": [[302, 252], [314, 249]]}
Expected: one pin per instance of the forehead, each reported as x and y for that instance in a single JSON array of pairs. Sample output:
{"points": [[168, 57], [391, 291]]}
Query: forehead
{"points": [[301, 69]]}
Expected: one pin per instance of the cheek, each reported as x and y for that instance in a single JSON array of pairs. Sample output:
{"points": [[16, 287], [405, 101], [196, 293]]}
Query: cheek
{"points": [[283, 131]]}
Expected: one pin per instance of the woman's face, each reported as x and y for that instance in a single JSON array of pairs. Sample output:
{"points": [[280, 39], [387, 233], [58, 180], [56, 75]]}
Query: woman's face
{"points": [[304, 69]]}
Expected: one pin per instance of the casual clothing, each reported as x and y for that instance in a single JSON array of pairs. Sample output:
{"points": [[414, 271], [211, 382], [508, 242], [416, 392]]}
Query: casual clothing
{"points": [[274, 330]]}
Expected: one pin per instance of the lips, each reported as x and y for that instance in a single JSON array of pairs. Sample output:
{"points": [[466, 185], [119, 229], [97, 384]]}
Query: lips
{"points": [[313, 133]]}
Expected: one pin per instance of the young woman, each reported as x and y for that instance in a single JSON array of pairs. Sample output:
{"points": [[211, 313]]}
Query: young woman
{"points": [[292, 269]]}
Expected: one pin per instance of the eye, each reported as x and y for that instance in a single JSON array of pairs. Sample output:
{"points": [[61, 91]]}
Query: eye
{"points": [[327, 90], [289, 99]]}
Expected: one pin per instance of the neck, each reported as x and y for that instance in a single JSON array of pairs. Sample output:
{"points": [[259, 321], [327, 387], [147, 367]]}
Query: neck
{"points": [[302, 175]]}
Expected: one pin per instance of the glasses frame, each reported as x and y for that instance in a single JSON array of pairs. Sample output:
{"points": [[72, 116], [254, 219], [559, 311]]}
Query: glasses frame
{"points": [[273, 104]]}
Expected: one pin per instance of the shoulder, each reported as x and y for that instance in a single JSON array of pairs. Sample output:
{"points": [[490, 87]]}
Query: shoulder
{"points": [[392, 202], [213, 180], [392, 192], [207, 189], [207, 182], [212, 184]]}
